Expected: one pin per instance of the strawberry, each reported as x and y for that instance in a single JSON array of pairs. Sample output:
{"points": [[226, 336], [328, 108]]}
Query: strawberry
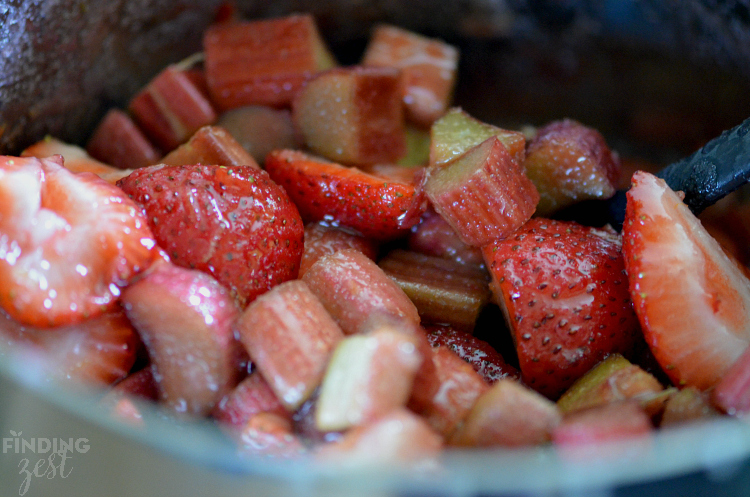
{"points": [[234, 223], [68, 242], [566, 298], [692, 300], [100, 350], [376, 207], [483, 358]]}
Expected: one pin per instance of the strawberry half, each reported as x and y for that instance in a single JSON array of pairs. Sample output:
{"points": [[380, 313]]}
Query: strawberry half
{"points": [[566, 298], [68, 242], [374, 206], [693, 301], [233, 223]]}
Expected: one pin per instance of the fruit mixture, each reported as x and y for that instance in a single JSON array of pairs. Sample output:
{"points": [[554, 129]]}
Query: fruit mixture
{"points": [[333, 261]]}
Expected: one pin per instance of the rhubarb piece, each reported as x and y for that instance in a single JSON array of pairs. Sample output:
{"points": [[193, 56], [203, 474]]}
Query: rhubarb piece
{"points": [[417, 147], [459, 388], [233, 223], [352, 288], [373, 206], [321, 239], [118, 141], [434, 236], [697, 324], [270, 434], [604, 423], [122, 399], [569, 162], [612, 380], [305, 426], [732, 393], [444, 291], [98, 351], [260, 130], [368, 376], [76, 159], [170, 109], [428, 66], [685, 405], [185, 319], [484, 194], [251, 396], [397, 438], [353, 115], [483, 358], [290, 337], [262, 62], [457, 132], [210, 145], [565, 297], [508, 415], [396, 173]]}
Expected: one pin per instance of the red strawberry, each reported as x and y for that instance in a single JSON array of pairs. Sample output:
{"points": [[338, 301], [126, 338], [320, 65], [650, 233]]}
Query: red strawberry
{"points": [[68, 242], [693, 301], [376, 207], [483, 358], [233, 223], [100, 350], [566, 299]]}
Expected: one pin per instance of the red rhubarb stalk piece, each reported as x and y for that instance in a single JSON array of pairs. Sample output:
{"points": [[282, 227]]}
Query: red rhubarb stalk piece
{"points": [[321, 239], [118, 141], [210, 145]]}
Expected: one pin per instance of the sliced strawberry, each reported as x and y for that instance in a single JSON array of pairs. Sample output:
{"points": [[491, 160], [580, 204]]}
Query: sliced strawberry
{"points": [[373, 206], [260, 129], [566, 298], [353, 115], [68, 242], [185, 319], [428, 65], [569, 162], [251, 396], [692, 300], [321, 239], [99, 351], [290, 337], [434, 236], [483, 358], [353, 288], [444, 291], [508, 415], [118, 141], [732, 393], [484, 194], [233, 223], [210, 145]]}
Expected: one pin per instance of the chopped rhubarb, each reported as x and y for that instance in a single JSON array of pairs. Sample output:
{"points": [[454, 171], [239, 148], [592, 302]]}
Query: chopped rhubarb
{"points": [[569, 162], [483, 358], [444, 291], [140, 384], [260, 130], [484, 194], [397, 438], [185, 319], [76, 159], [262, 62], [459, 388], [251, 396], [170, 109], [509, 415], [456, 132], [428, 65], [417, 147], [396, 173], [290, 337], [604, 423], [368, 376], [732, 393], [210, 145], [353, 288], [321, 239], [270, 434], [118, 141], [434, 236], [612, 380], [685, 405], [373, 206], [353, 115]]}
